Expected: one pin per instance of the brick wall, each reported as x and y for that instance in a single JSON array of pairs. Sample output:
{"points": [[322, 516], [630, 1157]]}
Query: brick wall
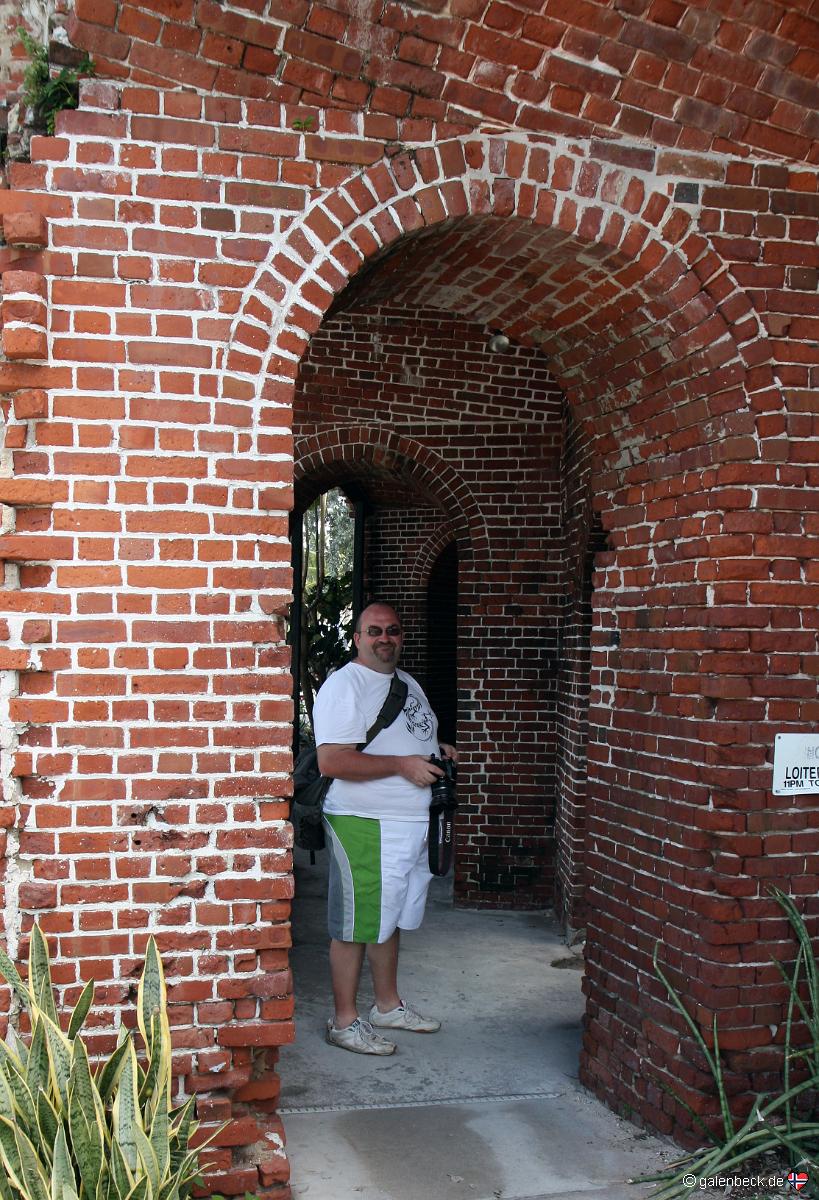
{"points": [[583, 538], [168, 257], [678, 75]]}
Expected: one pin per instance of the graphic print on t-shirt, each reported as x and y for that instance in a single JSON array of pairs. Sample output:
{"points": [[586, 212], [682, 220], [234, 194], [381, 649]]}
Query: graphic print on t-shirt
{"points": [[418, 718]]}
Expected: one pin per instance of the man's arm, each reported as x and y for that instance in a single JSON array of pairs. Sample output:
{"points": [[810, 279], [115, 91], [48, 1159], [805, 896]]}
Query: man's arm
{"points": [[346, 762]]}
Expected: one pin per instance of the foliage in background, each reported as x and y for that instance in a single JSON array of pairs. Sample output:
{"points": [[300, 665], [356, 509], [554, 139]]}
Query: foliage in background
{"points": [[70, 1133], [788, 1123], [46, 95], [327, 594]]}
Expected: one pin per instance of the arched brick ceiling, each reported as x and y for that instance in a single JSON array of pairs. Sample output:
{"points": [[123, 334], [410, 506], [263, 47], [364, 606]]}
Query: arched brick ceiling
{"points": [[540, 285], [381, 484], [725, 75], [377, 465]]}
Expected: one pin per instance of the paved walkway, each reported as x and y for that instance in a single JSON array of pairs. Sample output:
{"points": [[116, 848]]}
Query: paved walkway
{"points": [[489, 1108]]}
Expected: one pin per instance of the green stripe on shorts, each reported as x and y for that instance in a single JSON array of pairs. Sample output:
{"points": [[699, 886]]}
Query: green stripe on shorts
{"points": [[358, 840]]}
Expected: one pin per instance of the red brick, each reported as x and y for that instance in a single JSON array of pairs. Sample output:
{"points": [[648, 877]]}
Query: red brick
{"points": [[25, 229]]}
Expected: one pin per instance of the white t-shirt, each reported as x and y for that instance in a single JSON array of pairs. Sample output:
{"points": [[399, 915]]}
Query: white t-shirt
{"points": [[346, 706]]}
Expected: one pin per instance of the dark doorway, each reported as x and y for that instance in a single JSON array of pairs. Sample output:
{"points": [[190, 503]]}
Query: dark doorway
{"points": [[442, 641]]}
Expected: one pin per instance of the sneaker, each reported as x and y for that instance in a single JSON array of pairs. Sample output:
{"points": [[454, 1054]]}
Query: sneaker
{"points": [[360, 1037], [404, 1017]]}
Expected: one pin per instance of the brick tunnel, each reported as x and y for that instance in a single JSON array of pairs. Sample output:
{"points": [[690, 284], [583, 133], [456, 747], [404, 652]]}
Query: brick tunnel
{"points": [[266, 256]]}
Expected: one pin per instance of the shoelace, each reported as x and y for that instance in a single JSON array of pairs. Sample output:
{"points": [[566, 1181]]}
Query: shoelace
{"points": [[365, 1028]]}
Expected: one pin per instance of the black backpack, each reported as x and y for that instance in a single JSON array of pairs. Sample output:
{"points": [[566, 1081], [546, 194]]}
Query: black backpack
{"points": [[310, 786]]}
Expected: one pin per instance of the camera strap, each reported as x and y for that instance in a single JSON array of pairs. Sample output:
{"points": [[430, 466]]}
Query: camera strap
{"points": [[441, 837], [393, 703]]}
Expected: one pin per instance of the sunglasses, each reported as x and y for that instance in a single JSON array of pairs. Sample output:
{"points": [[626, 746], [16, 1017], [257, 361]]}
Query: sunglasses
{"points": [[376, 631]]}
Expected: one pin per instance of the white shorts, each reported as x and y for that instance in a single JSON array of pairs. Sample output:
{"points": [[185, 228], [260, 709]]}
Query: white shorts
{"points": [[379, 877]]}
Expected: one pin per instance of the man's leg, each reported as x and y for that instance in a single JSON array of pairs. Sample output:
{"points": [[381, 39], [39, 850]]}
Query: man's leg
{"points": [[346, 960], [383, 960], [389, 1010]]}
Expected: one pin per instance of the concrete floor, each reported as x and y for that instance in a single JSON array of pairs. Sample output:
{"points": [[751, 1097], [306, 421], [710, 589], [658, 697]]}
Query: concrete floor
{"points": [[490, 1107]]}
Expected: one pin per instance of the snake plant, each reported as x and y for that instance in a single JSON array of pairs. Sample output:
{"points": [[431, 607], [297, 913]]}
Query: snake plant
{"points": [[73, 1131]]}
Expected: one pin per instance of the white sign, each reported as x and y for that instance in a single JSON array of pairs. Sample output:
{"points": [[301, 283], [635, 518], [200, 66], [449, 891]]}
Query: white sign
{"points": [[796, 763]]}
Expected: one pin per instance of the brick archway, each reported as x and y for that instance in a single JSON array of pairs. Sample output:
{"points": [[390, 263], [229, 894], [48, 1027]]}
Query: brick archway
{"points": [[644, 268], [319, 458], [423, 563], [665, 363]]}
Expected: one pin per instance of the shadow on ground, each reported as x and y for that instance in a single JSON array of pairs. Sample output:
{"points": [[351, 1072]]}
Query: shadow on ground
{"points": [[489, 1108]]}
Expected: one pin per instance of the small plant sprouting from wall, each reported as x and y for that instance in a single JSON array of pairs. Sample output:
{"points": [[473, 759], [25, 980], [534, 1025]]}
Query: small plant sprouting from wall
{"points": [[46, 95]]}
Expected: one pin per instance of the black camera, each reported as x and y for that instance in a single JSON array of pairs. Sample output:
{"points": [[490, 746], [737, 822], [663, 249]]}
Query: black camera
{"points": [[443, 786], [442, 816]]}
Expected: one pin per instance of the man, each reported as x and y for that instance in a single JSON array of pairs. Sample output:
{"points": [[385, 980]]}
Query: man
{"points": [[377, 819]]}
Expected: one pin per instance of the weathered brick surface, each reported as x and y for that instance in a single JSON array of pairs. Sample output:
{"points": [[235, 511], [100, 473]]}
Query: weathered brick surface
{"points": [[678, 75], [154, 346]]}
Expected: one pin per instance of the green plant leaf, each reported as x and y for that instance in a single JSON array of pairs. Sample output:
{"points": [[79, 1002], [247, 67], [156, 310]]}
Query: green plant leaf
{"points": [[727, 1120], [108, 1076], [62, 1173], [148, 1081], [188, 1169], [182, 1126], [37, 1068], [6, 1190], [12, 978], [47, 1120], [26, 1111], [7, 1108], [11, 1061], [121, 1175], [126, 1110], [160, 1136], [148, 1160], [86, 1146], [65, 1146], [771, 1124], [81, 1085], [81, 1010], [39, 974], [33, 1170], [140, 1190], [105, 1187], [9, 1153], [16, 1045], [85, 1120], [59, 1049], [151, 994], [44, 95]]}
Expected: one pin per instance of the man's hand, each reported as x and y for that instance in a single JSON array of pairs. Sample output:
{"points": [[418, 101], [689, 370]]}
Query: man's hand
{"points": [[418, 770], [448, 751]]}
